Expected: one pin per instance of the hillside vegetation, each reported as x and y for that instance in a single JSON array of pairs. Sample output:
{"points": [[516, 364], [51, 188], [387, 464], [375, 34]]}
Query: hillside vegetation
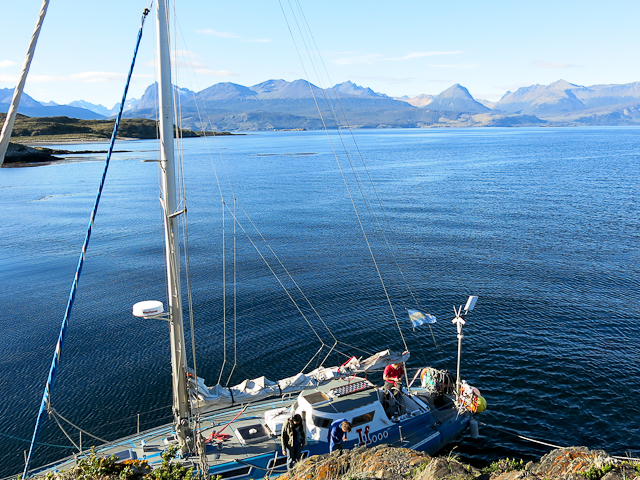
{"points": [[48, 129], [382, 462]]}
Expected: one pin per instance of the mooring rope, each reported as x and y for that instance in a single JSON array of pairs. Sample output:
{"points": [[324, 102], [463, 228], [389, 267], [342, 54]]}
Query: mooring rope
{"points": [[46, 397], [533, 440]]}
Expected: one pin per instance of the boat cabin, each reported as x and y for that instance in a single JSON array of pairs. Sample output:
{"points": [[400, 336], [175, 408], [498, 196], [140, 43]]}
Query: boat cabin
{"points": [[359, 401]]}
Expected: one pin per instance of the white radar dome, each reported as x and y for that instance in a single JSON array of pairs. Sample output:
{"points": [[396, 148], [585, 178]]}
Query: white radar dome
{"points": [[148, 308]]}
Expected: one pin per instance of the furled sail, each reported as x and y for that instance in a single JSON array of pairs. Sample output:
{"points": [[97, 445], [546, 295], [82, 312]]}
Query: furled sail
{"points": [[204, 399]]}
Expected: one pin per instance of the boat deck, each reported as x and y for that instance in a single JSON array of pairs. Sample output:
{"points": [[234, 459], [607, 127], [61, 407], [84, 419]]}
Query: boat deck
{"points": [[241, 444]]}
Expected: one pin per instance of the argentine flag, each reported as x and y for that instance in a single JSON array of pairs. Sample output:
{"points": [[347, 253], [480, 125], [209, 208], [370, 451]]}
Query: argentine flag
{"points": [[418, 318]]}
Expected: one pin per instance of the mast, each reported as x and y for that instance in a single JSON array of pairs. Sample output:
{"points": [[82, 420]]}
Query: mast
{"points": [[17, 92], [459, 322], [181, 410]]}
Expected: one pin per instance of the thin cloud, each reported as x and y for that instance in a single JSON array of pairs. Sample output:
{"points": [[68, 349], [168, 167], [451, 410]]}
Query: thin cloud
{"points": [[94, 77], [216, 73], [8, 78], [215, 33], [543, 64], [6, 63], [366, 59], [332, 54], [83, 77], [209, 31], [457, 66], [370, 58], [413, 55]]}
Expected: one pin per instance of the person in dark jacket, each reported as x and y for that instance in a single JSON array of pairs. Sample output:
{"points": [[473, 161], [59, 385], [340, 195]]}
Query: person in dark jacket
{"points": [[338, 433], [293, 439]]}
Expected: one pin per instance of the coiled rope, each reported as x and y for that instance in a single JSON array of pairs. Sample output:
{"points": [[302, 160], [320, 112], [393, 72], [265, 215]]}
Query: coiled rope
{"points": [[46, 397]]}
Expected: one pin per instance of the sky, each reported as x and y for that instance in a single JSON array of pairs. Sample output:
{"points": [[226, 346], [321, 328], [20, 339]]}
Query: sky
{"points": [[401, 48]]}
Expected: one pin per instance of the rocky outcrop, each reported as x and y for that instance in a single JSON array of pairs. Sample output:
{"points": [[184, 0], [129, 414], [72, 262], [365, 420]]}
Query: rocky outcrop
{"points": [[21, 155], [389, 463]]}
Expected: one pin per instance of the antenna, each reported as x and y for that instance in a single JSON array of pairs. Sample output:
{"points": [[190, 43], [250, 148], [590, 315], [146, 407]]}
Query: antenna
{"points": [[459, 322]]}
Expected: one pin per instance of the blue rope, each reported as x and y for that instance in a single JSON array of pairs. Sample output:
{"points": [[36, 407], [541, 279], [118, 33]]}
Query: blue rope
{"points": [[63, 329]]}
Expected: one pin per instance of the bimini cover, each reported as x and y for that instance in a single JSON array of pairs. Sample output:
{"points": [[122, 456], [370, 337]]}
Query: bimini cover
{"points": [[204, 398]]}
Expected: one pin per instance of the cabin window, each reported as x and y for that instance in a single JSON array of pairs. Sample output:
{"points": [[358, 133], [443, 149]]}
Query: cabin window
{"points": [[321, 421], [362, 419], [233, 473]]}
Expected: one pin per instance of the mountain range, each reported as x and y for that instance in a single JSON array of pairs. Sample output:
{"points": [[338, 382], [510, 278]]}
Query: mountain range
{"points": [[278, 104]]}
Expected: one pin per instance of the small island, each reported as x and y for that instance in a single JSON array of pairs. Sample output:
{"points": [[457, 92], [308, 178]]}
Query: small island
{"points": [[48, 130]]}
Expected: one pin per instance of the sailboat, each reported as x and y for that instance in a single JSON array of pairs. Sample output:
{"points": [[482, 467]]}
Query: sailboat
{"points": [[234, 432]]}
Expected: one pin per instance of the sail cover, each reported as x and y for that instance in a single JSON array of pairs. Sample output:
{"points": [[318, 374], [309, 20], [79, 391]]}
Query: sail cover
{"points": [[204, 398]]}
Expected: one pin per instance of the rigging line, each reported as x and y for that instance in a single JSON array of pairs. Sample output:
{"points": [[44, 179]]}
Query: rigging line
{"points": [[390, 245], [121, 420], [277, 277], [235, 299], [224, 276], [46, 396], [54, 412], [179, 140], [356, 348], [289, 275], [65, 433], [179, 133], [29, 441], [312, 358], [224, 296], [351, 196], [291, 278], [362, 160], [235, 201]]}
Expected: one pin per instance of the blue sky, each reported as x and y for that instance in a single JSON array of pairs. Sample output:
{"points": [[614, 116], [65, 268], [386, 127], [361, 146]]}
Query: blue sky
{"points": [[401, 48]]}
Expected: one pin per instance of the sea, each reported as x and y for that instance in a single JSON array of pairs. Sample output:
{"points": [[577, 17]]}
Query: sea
{"points": [[308, 247]]}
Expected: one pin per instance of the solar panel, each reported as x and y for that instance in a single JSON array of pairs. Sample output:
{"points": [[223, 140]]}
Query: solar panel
{"points": [[351, 388]]}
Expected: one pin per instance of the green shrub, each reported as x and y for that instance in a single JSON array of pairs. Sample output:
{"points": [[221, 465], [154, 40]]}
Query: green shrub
{"points": [[169, 470], [106, 468], [504, 465], [595, 473]]}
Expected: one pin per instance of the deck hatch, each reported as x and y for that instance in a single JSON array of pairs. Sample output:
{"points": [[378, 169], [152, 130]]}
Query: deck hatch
{"points": [[252, 433], [126, 455], [316, 397]]}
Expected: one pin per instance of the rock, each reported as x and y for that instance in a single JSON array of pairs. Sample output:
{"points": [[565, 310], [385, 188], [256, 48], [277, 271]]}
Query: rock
{"points": [[447, 469], [569, 463], [22, 154], [381, 462], [388, 463]]}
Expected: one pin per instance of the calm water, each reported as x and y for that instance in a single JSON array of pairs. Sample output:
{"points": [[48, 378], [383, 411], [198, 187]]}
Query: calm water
{"points": [[541, 224]]}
